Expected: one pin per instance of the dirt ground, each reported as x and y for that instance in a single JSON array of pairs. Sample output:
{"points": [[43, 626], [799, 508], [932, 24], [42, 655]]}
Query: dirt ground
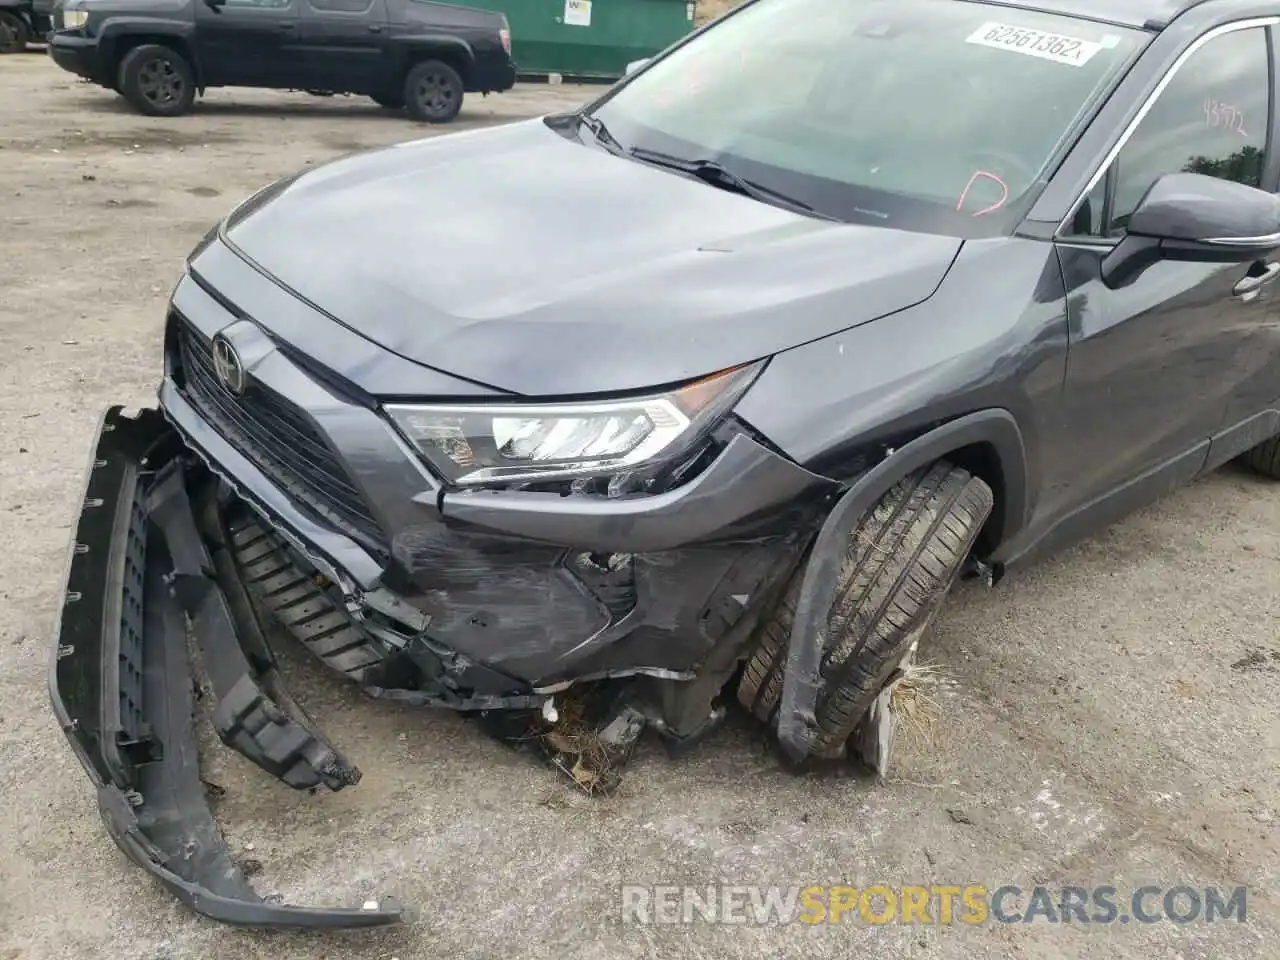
{"points": [[1108, 717]]}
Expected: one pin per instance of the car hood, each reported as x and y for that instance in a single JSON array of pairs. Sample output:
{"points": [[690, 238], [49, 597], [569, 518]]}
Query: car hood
{"points": [[541, 266]]}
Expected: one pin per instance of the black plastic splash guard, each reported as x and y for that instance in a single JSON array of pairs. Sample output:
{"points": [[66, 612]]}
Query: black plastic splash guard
{"points": [[120, 683]]}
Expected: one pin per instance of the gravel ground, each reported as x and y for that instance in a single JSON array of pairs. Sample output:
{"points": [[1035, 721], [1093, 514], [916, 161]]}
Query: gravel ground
{"points": [[1107, 717]]}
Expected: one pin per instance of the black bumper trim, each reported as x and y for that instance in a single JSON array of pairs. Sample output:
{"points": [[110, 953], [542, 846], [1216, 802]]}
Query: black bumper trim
{"points": [[245, 718], [149, 790], [78, 55]]}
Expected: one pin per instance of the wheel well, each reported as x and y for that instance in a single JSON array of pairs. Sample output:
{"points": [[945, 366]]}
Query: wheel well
{"points": [[983, 461], [450, 55], [124, 44]]}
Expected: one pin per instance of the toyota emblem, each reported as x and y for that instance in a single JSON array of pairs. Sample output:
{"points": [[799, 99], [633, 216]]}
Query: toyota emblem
{"points": [[227, 365]]}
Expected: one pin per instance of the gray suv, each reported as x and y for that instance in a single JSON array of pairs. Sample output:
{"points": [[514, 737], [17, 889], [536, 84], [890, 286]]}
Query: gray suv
{"points": [[706, 392]]}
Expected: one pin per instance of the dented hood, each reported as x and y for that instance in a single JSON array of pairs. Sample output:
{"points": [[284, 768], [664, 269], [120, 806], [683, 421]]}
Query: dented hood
{"points": [[534, 264]]}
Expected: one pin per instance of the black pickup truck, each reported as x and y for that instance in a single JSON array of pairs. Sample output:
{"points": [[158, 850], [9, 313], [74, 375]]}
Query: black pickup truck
{"points": [[413, 55], [22, 22]]}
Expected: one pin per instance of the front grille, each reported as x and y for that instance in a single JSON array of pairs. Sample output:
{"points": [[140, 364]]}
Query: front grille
{"points": [[279, 439]]}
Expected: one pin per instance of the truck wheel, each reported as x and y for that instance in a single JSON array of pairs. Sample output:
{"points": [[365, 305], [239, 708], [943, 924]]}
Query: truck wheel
{"points": [[13, 33], [1265, 458], [157, 81], [433, 92], [901, 561]]}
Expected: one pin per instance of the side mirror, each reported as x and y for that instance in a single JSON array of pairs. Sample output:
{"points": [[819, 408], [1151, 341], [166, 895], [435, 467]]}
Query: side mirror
{"points": [[635, 65], [1194, 217]]}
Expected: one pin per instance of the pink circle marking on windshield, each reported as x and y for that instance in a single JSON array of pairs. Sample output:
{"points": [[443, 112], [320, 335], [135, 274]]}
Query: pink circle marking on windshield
{"points": [[984, 175]]}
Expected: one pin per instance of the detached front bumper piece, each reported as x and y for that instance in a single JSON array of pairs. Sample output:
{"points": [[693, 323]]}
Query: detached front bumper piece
{"points": [[122, 689]]}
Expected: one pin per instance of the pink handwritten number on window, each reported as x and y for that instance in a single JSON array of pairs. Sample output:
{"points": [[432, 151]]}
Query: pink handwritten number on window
{"points": [[1225, 116], [983, 175]]}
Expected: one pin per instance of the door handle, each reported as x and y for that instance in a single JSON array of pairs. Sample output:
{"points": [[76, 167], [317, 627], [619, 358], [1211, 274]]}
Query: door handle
{"points": [[287, 25], [375, 28], [1249, 287]]}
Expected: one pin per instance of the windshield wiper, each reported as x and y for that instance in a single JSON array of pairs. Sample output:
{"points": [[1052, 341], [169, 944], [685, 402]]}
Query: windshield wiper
{"points": [[709, 171], [601, 133]]}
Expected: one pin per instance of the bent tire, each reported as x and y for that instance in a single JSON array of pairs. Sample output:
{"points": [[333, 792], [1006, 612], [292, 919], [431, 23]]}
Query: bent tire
{"points": [[1265, 458], [13, 33], [901, 561], [433, 92], [157, 81]]}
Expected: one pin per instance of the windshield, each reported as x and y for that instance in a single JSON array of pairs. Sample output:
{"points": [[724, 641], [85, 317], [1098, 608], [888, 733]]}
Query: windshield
{"points": [[929, 115]]}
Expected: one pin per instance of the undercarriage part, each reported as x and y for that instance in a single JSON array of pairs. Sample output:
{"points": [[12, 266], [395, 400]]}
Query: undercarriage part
{"points": [[976, 569], [463, 704], [297, 601], [121, 686]]}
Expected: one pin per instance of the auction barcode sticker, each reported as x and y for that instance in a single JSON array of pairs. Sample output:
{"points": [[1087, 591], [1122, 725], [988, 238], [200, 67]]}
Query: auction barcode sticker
{"points": [[1057, 47]]}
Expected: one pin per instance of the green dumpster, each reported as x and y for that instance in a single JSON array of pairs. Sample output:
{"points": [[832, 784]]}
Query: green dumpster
{"points": [[589, 39]]}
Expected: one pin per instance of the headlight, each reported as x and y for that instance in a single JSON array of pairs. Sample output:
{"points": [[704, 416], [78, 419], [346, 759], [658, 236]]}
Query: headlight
{"points": [[512, 442], [74, 19]]}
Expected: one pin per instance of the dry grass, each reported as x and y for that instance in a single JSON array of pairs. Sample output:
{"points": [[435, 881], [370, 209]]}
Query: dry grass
{"points": [[573, 746], [911, 703]]}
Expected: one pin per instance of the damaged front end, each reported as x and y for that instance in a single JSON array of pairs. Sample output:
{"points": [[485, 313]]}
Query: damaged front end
{"points": [[575, 619], [168, 544], [122, 688]]}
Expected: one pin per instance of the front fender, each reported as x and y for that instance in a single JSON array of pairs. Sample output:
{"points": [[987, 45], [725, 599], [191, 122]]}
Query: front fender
{"points": [[117, 30], [119, 25], [995, 428]]}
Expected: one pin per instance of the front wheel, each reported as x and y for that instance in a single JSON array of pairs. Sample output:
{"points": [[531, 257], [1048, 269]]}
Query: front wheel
{"points": [[899, 564], [157, 81], [1265, 458], [433, 92], [13, 33]]}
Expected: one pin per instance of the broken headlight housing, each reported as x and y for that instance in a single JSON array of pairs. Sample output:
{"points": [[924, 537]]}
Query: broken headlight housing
{"points": [[505, 443]]}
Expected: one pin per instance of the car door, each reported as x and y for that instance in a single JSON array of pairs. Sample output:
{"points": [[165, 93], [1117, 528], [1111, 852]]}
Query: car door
{"points": [[1154, 367], [1253, 410], [249, 43], [346, 45]]}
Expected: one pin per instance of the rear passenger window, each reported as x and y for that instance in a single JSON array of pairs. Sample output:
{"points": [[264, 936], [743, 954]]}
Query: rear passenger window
{"points": [[342, 6], [1212, 118]]}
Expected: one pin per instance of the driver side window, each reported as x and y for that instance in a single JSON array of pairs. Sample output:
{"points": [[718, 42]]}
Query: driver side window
{"points": [[1212, 118]]}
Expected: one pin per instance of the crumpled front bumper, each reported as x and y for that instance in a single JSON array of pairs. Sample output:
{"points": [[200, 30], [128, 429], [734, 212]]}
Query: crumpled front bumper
{"points": [[121, 683]]}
